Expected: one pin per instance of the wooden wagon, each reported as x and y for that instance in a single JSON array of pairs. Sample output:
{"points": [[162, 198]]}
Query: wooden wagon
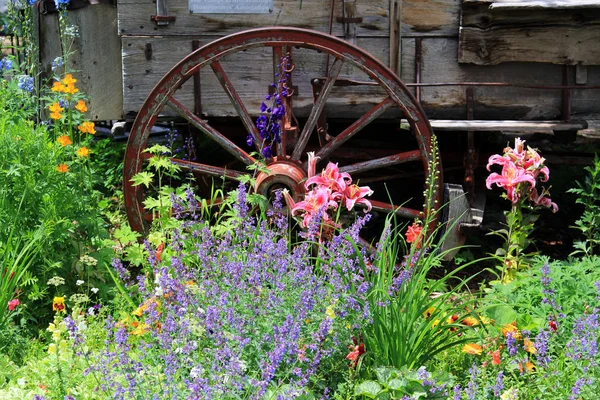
{"points": [[467, 66]]}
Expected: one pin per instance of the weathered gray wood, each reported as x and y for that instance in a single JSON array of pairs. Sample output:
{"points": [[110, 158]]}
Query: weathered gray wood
{"points": [[439, 65], [96, 57], [396, 36], [134, 18], [537, 4], [504, 125], [140, 75], [557, 45], [482, 16], [581, 74], [430, 17], [530, 31]]}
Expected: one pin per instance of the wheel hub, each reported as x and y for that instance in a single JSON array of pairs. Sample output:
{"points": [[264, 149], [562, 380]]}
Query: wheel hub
{"points": [[282, 174]]}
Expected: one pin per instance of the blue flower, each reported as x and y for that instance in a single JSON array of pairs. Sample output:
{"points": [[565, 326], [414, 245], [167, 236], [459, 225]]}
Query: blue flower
{"points": [[61, 3], [6, 64], [25, 82], [57, 63]]}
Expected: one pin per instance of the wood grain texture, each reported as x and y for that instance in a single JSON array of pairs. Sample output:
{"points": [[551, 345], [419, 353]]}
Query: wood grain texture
{"points": [[439, 65], [134, 18], [550, 32], [548, 44], [434, 17], [140, 75], [96, 59]]}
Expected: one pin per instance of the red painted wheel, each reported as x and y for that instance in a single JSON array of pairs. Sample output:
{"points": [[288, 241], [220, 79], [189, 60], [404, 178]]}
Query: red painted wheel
{"points": [[392, 161]]}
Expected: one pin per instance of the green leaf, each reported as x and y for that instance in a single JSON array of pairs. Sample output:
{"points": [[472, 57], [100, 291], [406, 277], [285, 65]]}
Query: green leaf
{"points": [[502, 314], [135, 254], [369, 388], [158, 149], [126, 235], [397, 384], [142, 178], [385, 374], [151, 203]]}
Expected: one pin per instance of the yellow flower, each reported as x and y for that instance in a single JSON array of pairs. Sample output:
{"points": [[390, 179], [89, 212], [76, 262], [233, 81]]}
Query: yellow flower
{"points": [[56, 116], [83, 152], [52, 348], [56, 335], [472, 348], [58, 304], [69, 80], [58, 87], [71, 89], [511, 328], [428, 312], [529, 346], [528, 365], [55, 107], [87, 127], [81, 106], [62, 168], [330, 313], [470, 321], [64, 140]]}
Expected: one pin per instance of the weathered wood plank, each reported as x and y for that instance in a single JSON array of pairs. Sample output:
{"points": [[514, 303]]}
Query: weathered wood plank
{"points": [[435, 17], [494, 103], [439, 65], [505, 125], [141, 74], [96, 57], [482, 16], [537, 4], [134, 18], [499, 31]]}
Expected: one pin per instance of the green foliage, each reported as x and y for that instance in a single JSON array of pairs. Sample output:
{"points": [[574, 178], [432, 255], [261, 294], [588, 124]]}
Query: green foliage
{"points": [[395, 384], [588, 194]]}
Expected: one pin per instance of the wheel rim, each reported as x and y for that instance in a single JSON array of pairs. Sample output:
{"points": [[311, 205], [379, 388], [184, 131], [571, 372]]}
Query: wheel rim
{"points": [[396, 95]]}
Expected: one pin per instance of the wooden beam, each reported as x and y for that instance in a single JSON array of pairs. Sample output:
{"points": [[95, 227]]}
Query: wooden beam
{"points": [[493, 126], [535, 4]]}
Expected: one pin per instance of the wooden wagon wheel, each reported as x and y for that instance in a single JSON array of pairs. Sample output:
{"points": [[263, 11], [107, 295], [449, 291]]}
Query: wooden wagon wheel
{"points": [[288, 164]]}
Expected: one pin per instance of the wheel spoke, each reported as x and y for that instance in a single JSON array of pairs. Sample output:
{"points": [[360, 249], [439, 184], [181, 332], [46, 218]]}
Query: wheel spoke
{"points": [[236, 101], [317, 108], [394, 159], [353, 129], [207, 169], [227, 144], [404, 212]]}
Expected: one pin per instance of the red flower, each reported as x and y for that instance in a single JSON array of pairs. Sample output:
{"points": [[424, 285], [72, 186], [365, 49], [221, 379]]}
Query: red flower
{"points": [[13, 304], [159, 251], [413, 234], [356, 351], [496, 357], [553, 326]]}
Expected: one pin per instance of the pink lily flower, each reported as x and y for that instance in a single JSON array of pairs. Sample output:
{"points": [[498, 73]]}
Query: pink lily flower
{"points": [[312, 164], [509, 179], [355, 194], [331, 178], [542, 200], [497, 159], [289, 202], [313, 202]]}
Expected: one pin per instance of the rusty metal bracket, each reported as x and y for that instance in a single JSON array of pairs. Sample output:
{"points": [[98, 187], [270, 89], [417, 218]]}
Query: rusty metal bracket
{"points": [[162, 16]]}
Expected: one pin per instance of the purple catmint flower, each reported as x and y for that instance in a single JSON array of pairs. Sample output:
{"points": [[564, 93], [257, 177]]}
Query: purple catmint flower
{"points": [[472, 386], [584, 338], [457, 392], [541, 345], [499, 386], [511, 344], [576, 389]]}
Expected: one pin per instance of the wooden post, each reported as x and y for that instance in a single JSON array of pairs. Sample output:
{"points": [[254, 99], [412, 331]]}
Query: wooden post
{"points": [[396, 36]]}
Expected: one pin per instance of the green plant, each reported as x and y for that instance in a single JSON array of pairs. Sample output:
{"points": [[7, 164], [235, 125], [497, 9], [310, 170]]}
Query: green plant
{"points": [[17, 254], [588, 194], [395, 384], [413, 318]]}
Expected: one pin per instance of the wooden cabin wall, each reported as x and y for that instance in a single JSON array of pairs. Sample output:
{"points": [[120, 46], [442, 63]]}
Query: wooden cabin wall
{"points": [[95, 60], [117, 73], [435, 22]]}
